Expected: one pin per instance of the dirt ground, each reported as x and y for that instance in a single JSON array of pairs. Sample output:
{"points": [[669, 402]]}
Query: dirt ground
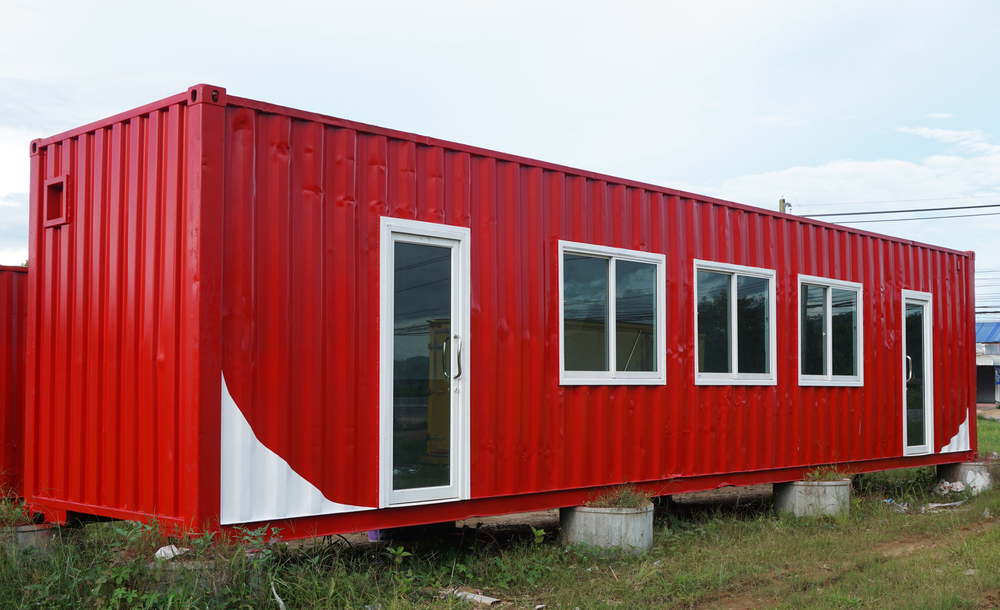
{"points": [[988, 410]]}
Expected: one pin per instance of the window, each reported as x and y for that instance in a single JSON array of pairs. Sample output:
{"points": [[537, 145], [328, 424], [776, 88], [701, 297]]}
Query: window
{"points": [[611, 311], [829, 332], [734, 321]]}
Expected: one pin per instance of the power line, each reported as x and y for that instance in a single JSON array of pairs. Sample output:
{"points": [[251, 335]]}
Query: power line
{"points": [[897, 200], [854, 222], [959, 207]]}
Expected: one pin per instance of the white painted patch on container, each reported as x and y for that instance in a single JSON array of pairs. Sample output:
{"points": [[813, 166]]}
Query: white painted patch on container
{"points": [[959, 442], [257, 484]]}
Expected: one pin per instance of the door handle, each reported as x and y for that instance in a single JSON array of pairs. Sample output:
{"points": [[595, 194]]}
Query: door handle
{"points": [[909, 366], [446, 357], [459, 357]]}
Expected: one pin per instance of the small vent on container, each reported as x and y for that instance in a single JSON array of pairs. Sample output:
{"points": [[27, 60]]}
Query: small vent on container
{"points": [[56, 201]]}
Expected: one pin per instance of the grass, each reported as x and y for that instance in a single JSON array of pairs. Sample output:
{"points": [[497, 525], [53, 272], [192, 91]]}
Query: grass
{"points": [[621, 496], [989, 436], [726, 556]]}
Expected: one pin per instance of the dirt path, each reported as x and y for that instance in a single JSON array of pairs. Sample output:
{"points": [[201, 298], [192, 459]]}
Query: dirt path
{"points": [[932, 545]]}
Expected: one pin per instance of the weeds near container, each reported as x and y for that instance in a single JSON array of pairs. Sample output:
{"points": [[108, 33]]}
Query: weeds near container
{"points": [[828, 473], [621, 496], [397, 554]]}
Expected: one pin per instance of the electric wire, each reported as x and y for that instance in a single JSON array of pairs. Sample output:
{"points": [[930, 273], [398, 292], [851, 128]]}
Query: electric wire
{"points": [[896, 200], [854, 222], [870, 212]]}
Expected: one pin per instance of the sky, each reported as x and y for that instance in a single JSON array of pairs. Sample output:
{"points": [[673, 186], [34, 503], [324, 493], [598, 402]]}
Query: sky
{"points": [[835, 106]]}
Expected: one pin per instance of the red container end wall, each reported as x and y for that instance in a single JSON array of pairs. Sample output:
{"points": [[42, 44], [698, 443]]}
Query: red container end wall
{"points": [[117, 340], [13, 334], [138, 317]]}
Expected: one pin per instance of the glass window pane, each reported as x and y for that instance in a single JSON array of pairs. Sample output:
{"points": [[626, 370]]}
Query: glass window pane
{"points": [[915, 411], [635, 316], [421, 407], [752, 324], [713, 323], [585, 313], [813, 330], [844, 304]]}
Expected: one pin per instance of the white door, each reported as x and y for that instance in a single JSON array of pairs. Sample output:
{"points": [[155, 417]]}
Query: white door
{"points": [[424, 374], [918, 374]]}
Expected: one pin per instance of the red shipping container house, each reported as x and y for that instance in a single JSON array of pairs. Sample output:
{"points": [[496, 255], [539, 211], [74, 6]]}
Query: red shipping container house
{"points": [[13, 334], [244, 314]]}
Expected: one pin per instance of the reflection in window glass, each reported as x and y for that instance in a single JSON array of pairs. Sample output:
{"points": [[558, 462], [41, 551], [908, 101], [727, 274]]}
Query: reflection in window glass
{"points": [[845, 331], [915, 407], [585, 312], [813, 330], [635, 316], [751, 324], [420, 389], [713, 323]]}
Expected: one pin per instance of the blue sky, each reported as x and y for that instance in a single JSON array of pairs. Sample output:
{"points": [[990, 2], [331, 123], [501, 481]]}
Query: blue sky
{"points": [[821, 102]]}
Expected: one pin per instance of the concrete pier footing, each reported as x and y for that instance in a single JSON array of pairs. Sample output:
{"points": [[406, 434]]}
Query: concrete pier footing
{"points": [[813, 498], [975, 476]]}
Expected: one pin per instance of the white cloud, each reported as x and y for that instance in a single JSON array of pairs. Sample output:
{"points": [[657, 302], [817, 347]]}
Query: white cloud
{"points": [[976, 172], [973, 139], [14, 171], [13, 257]]}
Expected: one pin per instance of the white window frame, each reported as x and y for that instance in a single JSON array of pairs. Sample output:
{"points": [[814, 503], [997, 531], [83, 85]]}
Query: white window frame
{"points": [[395, 230], [613, 377], [829, 379], [735, 377]]}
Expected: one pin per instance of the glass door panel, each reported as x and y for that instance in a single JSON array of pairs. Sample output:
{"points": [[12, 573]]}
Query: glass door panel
{"points": [[915, 423], [421, 389], [917, 387]]}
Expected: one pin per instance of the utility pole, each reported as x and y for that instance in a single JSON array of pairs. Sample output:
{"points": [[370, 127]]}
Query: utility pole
{"points": [[782, 206]]}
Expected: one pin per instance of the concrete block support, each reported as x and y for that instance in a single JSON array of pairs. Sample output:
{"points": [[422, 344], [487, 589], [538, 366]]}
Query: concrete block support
{"points": [[974, 475], [628, 528], [813, 498]]}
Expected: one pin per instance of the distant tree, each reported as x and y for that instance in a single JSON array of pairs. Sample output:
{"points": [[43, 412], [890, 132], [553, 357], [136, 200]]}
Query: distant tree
{"points": [[25, 263]]}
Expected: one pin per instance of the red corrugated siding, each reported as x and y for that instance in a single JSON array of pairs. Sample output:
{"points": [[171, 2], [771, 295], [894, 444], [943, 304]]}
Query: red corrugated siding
{"points": [[13, 332], [115, 341], [301, 253]]}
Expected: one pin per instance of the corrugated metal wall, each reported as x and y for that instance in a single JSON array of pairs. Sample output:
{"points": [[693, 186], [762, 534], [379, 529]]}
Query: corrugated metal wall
{"points": [[114, 347], [304, 197], [13, 332]]}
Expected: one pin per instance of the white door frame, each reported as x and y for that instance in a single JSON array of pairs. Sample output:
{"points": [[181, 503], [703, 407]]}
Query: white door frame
{"points": [[395, 230], [924, 299]]}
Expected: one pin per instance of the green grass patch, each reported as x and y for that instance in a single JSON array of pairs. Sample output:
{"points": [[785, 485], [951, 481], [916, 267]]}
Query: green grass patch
{"points": [[989, 436], [708, 556]]}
